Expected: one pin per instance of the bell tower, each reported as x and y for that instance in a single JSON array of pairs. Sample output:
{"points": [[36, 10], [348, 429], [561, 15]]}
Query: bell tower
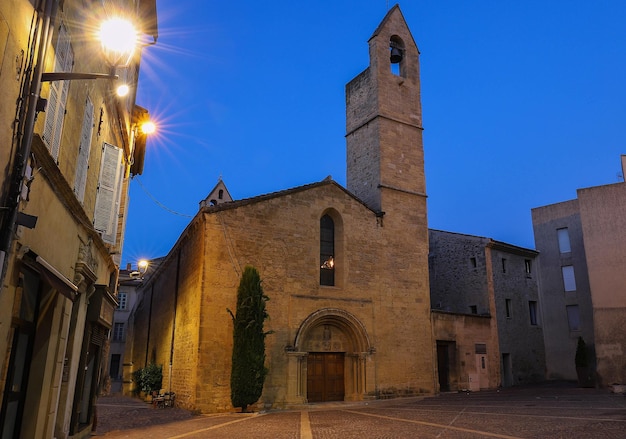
{"points": [[385, 155], [385, 167]]}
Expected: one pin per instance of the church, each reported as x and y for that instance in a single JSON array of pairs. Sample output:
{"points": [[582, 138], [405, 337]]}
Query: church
{"points": [[345, 268]]}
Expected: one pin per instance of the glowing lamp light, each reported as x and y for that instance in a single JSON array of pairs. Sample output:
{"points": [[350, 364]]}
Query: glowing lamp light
{"points": [[122, 90], [119, 39], [148, 127], [329, 264]]}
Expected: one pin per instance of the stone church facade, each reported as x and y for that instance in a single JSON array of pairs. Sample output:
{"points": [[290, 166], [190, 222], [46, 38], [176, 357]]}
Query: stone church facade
{"points": [[346, 269]]}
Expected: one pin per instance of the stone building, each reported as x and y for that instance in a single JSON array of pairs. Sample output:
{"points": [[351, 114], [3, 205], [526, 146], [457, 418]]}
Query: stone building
{"points": [[346, 270], [583, 281], [65, 162], [486, 314]]}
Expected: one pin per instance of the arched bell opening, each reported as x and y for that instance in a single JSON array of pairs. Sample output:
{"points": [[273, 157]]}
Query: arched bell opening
{"points": [[397, 56], [331, 349]]}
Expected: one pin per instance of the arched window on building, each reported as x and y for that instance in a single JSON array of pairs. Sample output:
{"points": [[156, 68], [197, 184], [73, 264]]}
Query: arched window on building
{"points": [[327, 251]]}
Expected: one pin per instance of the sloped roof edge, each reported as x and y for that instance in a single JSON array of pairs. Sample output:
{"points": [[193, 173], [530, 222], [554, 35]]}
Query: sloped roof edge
{"points": [[492, 243], [386, 18], [259, 198]]}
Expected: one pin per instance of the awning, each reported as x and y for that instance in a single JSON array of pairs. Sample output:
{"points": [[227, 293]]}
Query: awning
{"points": [[53, 276]]}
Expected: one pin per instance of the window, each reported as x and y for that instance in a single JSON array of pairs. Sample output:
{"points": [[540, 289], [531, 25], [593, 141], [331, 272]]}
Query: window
{"points": [[473, 262], [109, 191], [114, 369], [532, 309], [82, 162], [564, 244], [121, 298], [118, 332], [507, 303], [327, 251], [573, 317], [528, 266], [503, 265], [569, 281], [55, 110], [473, 309]]}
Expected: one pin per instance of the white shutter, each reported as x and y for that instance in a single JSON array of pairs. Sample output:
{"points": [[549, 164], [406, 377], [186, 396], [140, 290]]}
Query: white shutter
{"points": [[55, 110], [109, 191], [82, 162]]}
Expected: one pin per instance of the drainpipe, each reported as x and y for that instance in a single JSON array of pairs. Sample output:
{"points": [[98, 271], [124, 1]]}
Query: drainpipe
{"points": [[174, 320], [145, 363]]}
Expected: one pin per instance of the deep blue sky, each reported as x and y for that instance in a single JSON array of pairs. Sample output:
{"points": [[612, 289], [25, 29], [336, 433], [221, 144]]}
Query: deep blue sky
{"points": [[523, 103]]}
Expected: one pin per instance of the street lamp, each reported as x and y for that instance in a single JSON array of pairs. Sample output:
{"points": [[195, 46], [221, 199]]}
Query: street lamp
{"points": [[142, 268], [119, 40]]}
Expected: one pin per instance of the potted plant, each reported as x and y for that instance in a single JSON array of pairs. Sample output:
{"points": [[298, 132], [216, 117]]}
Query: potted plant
{"points": [[584, 370], [148, 380]]}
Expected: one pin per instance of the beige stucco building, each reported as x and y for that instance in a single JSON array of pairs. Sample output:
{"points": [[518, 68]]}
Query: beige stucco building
{"points": [[64, 200], [583, 281], [346, 269]]}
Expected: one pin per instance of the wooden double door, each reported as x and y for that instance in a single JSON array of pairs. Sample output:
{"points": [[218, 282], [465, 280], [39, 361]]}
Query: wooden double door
{"points": [[325, 376]]}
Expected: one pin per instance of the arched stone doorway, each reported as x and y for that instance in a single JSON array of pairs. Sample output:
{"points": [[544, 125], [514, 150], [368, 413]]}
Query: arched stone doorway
{"points": [[329, 358]]}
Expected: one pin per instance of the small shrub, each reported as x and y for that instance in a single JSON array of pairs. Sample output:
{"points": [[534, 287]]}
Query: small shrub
{"points": [[581, 359], [148, 379]]}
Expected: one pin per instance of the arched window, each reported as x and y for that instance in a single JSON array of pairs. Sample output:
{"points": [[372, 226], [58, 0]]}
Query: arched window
{"points": [[327, 251], [221, 194]]}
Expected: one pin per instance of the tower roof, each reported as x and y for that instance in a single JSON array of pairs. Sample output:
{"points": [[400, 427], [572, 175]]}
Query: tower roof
{"points": [[395, 10]]}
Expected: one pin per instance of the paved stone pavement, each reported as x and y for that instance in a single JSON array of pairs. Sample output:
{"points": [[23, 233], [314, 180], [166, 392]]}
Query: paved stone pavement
{"points": [[545, 411]]}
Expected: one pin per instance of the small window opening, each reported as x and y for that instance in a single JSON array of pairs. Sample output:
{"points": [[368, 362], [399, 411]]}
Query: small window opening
{"points": [[480, 348], [528, 266], [473, 262], [473, 309], [220, 194], [503, 265], [564, 242], [396, 55], [532, 309]]}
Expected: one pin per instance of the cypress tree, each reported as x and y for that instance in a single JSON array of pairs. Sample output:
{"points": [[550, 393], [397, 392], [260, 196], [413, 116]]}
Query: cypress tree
{"points": [[248, 360]]}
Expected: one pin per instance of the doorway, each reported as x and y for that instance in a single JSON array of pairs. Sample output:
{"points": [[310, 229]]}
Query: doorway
{"points": [[325, 376], [445, 359], [507, 374]]}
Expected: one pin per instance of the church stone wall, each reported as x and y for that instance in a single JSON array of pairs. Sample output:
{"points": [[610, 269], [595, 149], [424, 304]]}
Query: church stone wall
{"points": [[280, 237], [169, 307]]}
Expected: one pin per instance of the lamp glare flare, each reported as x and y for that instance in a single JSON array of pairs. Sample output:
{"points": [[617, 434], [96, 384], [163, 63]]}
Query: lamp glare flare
{"points": [[123, 90], [148, 127], [119, 39]]}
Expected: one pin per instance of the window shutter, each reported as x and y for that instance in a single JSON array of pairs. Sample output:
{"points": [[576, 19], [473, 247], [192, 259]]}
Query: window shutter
{"points": [[109, 190], [55, 110], [84, 149]]}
